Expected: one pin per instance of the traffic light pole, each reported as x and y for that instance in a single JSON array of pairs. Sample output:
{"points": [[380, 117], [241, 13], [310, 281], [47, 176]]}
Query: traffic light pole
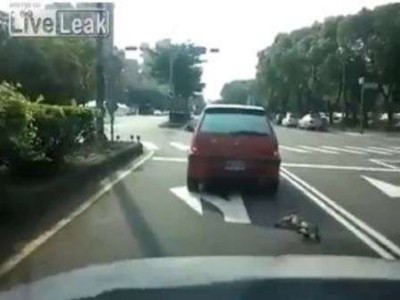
{"points": [[171, 73], [362, 120], [100, 88]]}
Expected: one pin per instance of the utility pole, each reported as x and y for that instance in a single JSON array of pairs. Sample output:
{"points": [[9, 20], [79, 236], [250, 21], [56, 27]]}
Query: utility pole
{"points": [[171, 73], [100, 90], [361, 81]]}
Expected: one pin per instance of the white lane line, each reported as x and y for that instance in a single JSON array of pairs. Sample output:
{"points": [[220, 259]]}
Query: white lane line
{"points": [[232, 209], [319, 150], [180, 146], [170, 159], [385, 149], [150, 146], [368, 150], [337, 213], [191, 199], [29, 248], [293, 149], [383, 163], [344, 150], [344, 168]]}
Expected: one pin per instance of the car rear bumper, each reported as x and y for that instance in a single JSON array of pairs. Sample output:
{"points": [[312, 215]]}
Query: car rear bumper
{"points": [[206, 169]]}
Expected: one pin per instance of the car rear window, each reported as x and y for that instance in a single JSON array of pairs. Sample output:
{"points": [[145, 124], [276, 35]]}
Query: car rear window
{"points": [[235, 121]]}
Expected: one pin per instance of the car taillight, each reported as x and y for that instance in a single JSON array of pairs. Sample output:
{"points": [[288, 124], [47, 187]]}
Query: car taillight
{"points": [[193, 147], [275, 147]]}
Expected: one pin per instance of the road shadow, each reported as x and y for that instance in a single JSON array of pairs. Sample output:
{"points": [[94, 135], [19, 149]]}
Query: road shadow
{"points": [[138, 225]]}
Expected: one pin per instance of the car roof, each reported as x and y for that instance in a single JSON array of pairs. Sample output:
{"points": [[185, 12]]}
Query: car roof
{"points": [[237, 106]]}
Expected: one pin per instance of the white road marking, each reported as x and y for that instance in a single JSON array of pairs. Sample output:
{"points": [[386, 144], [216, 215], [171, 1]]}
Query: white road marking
{"points": [[232, 209], [170, 159], [191, 199], [390, 190], [150, 146], [334, 167], [344, 150], [180, 146], [368, 150], [384, 163], [293, 149], [393, 169], [29, 248], [385, 149], [344, 217], [319, 150], [354, 133]]}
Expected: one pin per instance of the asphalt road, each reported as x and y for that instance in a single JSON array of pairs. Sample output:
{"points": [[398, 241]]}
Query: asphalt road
{"points": [[346, 185]]}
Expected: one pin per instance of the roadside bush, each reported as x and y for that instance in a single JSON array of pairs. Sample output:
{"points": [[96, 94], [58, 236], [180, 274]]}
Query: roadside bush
{"points": [[61, 129], [17, 132], [33, 135]]}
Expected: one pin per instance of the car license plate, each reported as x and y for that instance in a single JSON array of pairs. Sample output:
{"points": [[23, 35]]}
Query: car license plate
{"points": [[235, 165]]}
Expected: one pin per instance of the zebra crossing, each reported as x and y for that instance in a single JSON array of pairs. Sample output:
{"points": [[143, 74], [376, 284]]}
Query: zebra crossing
{"points": [[175, 145], [335, 150], [383, 151]]}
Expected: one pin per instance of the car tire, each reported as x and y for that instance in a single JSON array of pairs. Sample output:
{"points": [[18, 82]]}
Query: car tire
{"points": [[271, 188], [274, 187], [192, 185]]}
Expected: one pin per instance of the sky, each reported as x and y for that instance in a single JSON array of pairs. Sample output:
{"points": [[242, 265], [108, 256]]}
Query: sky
{"points": [[239, 28]]}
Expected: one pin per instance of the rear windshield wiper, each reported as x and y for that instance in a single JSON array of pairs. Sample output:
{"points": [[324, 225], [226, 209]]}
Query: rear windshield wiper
{"points": [[249, 132]]}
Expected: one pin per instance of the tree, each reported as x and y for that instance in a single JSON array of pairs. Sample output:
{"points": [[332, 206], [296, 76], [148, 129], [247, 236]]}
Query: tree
{"points": [[318, 67], [186, 69], [236, 92], [59, 69], [384, 46]]}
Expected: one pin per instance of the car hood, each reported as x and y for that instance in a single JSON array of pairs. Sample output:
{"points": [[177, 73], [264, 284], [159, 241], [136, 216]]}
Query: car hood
{"points": [[155, 273]]}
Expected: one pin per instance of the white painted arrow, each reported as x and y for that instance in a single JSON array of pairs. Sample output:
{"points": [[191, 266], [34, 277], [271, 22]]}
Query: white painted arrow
{"points": [[191, 199], [233, 209], [391, 190]]}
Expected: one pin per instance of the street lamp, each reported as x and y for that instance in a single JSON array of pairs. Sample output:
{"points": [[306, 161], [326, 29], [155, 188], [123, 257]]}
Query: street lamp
{"points": [[361, 82]]}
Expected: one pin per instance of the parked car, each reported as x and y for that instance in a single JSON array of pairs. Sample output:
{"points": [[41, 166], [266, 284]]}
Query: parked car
{"points": [[234, 142], [290, 120], [337, 117], [325, 121], [311, 121]]}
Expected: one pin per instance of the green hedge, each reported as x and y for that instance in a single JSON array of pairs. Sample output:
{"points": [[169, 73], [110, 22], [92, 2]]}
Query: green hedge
{"points": [[33, 134]]}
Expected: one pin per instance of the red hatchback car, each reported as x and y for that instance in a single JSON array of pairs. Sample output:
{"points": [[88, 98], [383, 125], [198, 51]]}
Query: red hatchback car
{"points": [[234, 142]]}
